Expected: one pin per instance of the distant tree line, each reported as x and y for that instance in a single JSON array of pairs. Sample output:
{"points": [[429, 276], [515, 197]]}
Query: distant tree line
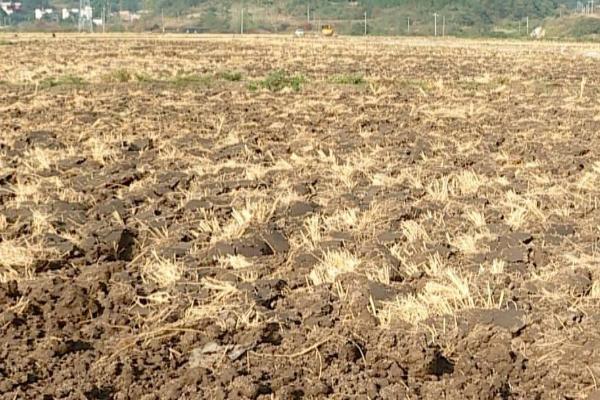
{"points": [[223, 15]]}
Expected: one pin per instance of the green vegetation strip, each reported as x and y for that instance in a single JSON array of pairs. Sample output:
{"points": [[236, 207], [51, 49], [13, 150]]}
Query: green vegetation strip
{"points": [[278, 80]]}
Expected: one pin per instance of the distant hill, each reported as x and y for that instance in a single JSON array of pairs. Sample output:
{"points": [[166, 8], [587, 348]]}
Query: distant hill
{"points": [[391, 17], [574, 26], [501, 18]]}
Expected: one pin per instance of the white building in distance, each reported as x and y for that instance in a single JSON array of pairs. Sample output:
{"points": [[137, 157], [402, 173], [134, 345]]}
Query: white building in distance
{"points": [[41, 12]]}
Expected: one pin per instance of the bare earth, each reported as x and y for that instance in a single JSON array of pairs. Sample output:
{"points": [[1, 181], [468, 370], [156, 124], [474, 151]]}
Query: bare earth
{"points": [[386, 219]]}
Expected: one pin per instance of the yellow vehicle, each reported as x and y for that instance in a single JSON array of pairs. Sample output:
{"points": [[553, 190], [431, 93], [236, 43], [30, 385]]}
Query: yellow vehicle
{"points": [[327, 30]]}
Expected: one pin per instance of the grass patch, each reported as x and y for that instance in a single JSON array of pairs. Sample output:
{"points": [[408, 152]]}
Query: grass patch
{"points": [[470, 85], [143, 77], [416, 83], [4, 42], [186, 79], [279, 80], [231, 76], [348, 79], [62, 81], [502, 80], [119, 75]]}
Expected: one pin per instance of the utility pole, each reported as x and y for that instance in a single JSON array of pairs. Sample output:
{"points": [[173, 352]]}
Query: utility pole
{"points": [[308, 13], [444, 26], [162, 19], [106, 16], [85, 17], [408, 25], [365, 23], [435, 15], [103, 19], [242, 23], [528, 25]]}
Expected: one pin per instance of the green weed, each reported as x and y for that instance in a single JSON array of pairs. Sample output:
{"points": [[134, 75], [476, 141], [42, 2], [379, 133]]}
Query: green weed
{"points": [[186, 79], [278, 80], [231, 76], [143, 77], [119, 75]]}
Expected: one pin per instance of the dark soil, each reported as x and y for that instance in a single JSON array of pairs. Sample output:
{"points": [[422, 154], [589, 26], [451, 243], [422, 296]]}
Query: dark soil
{"points": [[83, 319]]}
